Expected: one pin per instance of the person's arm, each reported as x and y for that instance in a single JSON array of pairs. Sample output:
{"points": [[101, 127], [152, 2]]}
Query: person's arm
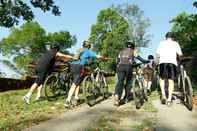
{"points": [[61, 56], [179, 52], [141, 59], [103, 57]]}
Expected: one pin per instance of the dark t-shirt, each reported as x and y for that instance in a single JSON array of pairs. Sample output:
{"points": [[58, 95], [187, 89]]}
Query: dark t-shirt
{"points": [[47, 61]]}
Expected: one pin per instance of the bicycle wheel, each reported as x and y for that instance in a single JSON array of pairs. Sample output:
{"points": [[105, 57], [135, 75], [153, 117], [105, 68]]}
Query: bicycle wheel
{"points": [[101, 85], [51, 87], [66, 84], [88, 89], [189, 93], [137, 93]]}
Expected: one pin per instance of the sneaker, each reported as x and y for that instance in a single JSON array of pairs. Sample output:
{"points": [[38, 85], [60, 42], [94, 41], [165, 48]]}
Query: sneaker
{"points": [[163, 101], [26, 99], [39, 99], [67, 104], [169, 103], [76, 101], [116, 101], [148, 92]]}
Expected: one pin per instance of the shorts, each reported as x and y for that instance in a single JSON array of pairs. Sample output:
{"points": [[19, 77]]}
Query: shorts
{"points": [[78, 72], [148, 73], [41, 75], [167, 71]]}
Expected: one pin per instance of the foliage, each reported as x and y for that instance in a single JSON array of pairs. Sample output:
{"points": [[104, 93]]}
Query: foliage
{"points": [[29, 41], [185, 30], [138, 24], [113, 29], [195, 4], [11, 11]]}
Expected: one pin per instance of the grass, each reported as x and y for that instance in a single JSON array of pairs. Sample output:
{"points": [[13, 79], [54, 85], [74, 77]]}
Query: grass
{"points": [[16, 115]]}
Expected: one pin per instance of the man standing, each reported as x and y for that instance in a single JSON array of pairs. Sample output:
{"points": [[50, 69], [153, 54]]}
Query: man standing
{"points": [[166, 53]]}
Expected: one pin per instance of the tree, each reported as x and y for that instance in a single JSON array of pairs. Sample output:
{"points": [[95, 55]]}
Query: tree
{"points": [[195, 4], [11, 11], [29, 41], [108, 34], [138, 24], [114, 27], [184, 26]]}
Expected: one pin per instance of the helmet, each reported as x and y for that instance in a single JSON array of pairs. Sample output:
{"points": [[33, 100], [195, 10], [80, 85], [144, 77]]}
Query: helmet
{"points": [[169, 35], [55, 46], [86, 44], [150, 57], [130, 44]]}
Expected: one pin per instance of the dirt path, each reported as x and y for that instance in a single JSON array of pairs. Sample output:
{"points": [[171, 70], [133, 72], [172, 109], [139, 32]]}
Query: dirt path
{"points": [[102, 116], [105, 116], [175, 118]]}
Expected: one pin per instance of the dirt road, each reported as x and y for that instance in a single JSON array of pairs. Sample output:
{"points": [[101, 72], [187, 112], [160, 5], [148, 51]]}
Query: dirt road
{"points": [[104, 116]]}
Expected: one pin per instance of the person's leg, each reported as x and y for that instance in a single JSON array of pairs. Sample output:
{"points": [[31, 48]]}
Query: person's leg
{"points": [[27, 97], [118, 87], [119, 84], [162, 85], [39, 92], [128, 84], [71, 92], [77, 92], [170, 89]]}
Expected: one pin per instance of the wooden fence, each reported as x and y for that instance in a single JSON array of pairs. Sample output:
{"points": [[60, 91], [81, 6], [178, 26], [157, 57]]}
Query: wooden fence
{"points": [[15, 84]]}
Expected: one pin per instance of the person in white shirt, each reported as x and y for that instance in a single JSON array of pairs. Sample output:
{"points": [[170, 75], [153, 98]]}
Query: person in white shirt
{"points": [[167, 53]]}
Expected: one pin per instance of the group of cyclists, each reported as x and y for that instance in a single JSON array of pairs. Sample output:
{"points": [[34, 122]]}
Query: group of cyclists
{"points": [[166, 61]]}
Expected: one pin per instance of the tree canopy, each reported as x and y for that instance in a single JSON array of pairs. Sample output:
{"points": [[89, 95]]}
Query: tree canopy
{"points": [[11, 11], [29, 41], [115, 26], [185, 30]]}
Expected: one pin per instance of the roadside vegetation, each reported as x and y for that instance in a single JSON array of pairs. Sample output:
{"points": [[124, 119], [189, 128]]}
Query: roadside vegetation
{"points": [[16, 115]]}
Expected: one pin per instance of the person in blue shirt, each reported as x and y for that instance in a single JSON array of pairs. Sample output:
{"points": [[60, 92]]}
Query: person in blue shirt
{"points": [[78, 70]]}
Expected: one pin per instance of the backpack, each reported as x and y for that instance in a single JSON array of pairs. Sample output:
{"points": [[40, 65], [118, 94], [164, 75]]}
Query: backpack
{"points": [[126, 56]]}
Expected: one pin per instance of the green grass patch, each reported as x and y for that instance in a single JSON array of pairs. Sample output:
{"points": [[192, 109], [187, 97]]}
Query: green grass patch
{"points": [[16, 115]]}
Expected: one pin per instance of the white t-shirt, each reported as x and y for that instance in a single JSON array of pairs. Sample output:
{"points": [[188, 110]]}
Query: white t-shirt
{"points": [[168, 50]]}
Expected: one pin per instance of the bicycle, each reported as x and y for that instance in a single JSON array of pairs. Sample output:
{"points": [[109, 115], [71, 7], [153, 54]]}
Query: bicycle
{"points": [[139, 91], [185, 86], [58, 82], [94, 85]]}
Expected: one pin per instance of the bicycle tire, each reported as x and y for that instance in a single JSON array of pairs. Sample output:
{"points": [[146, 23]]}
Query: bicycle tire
{"points": [[136, 93], [67, 84], [50, 87], [88, 87], [189, 93], [101, 83]]}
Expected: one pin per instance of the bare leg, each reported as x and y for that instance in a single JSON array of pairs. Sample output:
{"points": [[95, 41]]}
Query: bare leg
{"points": [[27, 97], [32, 89], [71, 91], [77, 92], [170, 89], [161, 81], [39, 92]]}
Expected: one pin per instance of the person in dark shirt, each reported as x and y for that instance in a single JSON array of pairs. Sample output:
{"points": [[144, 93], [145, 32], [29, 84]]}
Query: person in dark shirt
{"points": [[44, 67], [125, 60]]}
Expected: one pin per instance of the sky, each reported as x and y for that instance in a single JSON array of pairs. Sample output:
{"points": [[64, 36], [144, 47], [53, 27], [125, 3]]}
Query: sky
{"points": [[78, 16]]}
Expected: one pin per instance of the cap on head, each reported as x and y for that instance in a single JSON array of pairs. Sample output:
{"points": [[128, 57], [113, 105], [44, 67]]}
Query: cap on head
{"points": [[169, 35], [86, 44], [130, 44]]}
